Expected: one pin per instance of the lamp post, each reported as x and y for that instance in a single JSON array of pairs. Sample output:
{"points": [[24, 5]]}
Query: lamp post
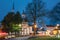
{"points": [[57, 27], [19, 25], [20, 28], [34, 21], [35, 26]]}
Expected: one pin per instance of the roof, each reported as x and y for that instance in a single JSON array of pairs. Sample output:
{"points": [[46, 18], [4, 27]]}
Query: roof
{"points": [[50, 25]]}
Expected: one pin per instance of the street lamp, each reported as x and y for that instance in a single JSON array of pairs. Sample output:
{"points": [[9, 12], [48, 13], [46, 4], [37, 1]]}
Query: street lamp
{"points": [[35, 27], [20, 29], [19, 25], [57, 27]]}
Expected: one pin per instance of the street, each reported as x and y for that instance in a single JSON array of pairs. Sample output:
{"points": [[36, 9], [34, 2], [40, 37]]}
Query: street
{"points": [[19, 38]]}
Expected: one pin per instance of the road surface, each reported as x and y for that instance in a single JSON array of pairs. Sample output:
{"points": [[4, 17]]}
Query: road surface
{"points": [[19, 38]]}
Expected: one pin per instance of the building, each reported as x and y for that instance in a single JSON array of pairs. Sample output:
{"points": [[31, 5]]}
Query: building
{"points": [[49, 31], [26, 29]]}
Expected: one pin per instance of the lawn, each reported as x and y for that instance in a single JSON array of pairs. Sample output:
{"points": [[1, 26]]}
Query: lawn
{"points": [[44, 38]]}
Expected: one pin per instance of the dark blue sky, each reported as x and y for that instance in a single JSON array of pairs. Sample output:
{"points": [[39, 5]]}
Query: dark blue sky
{"points": [[6, 5]]}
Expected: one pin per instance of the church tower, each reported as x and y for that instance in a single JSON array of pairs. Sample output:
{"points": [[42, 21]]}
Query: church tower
{"points": [[13, 7]]}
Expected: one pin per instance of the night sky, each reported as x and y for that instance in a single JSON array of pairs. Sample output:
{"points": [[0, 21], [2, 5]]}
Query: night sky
{"points": [[6, 5]]}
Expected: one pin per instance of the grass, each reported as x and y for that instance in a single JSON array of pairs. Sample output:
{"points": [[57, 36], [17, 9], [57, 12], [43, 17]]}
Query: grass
{"points": [[44, 38]]}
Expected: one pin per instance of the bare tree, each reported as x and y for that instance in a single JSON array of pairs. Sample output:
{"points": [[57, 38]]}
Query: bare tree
{"points": [[34, 11]]}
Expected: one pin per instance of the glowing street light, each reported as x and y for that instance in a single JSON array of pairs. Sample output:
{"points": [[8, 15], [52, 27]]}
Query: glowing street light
{"points": [[35, 26], [19, 25], [58, 25]]}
